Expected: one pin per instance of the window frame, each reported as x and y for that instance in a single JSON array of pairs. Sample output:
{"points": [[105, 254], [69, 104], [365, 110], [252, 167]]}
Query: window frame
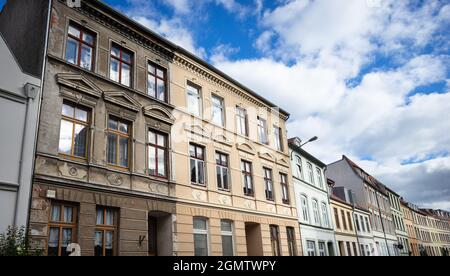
{"points": [[268, 184], [197, 160], [80, 42], [242, 118], [278, 136], [74, 122], [221, 108], [223, 166], [202, 232], [299, 165], [312, 252], [61, 224], [199, 98], [156, 78], [319, 177], [291, 240], [325, 216], [121, 62], [311, 173], [322, 253], [228, 234], [336, 218], [104, 228], [344, 221], [316, 211], [285, 196], [119, 135], [305, 207], [246, 174], [157, 147], [263, 128], [275, 241]]}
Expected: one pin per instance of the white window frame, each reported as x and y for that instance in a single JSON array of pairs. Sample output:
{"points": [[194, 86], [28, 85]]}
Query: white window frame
{"points": [[311, 250], [305, 209], [316, 211], [198, 95], [228, 234], [221, 107], [325, 216], [311, 173], [202, 232]]}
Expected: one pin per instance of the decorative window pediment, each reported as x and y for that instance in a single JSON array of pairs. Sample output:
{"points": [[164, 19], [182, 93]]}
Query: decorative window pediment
{"points": [[223, 139], [159, 113], [267, 156], [283, 162], [122, 99], [197, 129], [246, 147], [79, 83]]}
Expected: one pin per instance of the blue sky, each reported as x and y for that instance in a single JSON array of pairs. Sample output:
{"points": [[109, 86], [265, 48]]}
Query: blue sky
{"points": [[369, 77]]}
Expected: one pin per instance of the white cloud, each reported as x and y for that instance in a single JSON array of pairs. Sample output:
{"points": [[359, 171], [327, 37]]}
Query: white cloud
{"points": [[173, 30], [375, 118]]}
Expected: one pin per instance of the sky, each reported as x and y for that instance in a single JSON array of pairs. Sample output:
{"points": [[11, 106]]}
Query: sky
{"points": [[370, 78]]}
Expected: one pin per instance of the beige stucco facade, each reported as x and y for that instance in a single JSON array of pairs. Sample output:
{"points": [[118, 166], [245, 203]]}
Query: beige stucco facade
{"points": [[154, 212], [346, 235]]}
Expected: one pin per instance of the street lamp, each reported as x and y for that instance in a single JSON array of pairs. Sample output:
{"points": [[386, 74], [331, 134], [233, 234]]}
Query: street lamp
{"points": [[298, 142]]}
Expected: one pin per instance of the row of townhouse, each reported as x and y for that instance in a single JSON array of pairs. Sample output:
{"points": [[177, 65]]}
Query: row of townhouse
{"points": [[123, 143], [142, 148]]}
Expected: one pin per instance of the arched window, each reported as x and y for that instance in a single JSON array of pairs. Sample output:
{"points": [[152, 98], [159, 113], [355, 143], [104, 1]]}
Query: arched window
{"points": [[305, 211], [315, 206], [326, 220]]}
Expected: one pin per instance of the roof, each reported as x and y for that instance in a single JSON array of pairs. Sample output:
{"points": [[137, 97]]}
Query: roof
{"points": [[340, 200], [176, 48], [370, 179], [305, 154]]}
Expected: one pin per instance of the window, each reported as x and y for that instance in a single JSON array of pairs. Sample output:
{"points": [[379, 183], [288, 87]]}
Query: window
{"points": [[80, 46], [315, 206], [362, 224], [349, 249], [157, 82], [322, 250], [275, 240], [73, 134], [201, 237], [269, 184], [357, 223], [105, 232], [121, 65], [62, 228], [319, 177], [344, 222], [227, 238], [349, 218], [222, 171], [247, 176], [355, 249], [197, 163], [292, 244], [278, 137], [361, 249], [299, 170], [326, 220], [262, 131], [118, 142], [157, 154], [311, 248], [242, 121], [336, 218], [218, 111], [284, 189], [305, 211], [194, 99], [311, 173]]}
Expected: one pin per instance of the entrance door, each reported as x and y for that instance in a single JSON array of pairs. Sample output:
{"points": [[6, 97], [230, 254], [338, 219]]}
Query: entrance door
{"points": [[152, 237], [254, 239]]}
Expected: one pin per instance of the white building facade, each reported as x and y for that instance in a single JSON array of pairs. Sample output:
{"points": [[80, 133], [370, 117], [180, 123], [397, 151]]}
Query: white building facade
{"points": [[313, 203]]}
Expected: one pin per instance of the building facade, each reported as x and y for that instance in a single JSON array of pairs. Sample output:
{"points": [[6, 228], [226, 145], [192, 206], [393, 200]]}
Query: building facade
{"points": [[20, 94], [145, 149], [399, 223], [410, 229], [346, 236], [311, 194], [360, 217], [370, 194]]}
